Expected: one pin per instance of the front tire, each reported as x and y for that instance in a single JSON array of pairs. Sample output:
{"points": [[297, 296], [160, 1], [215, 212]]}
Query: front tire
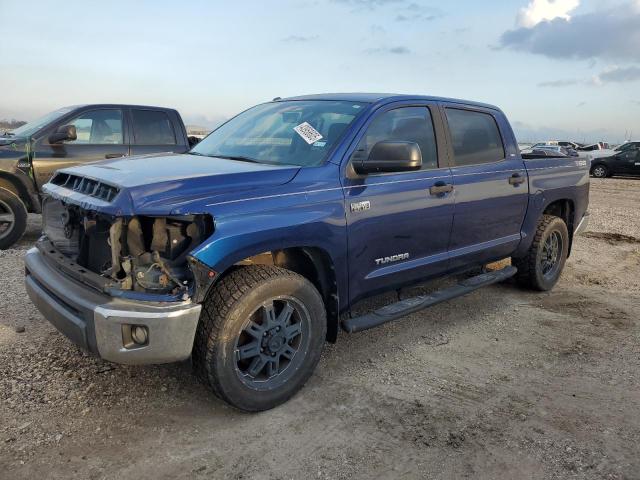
{"points": [[541, 267], [600, 171], [260, 336], [13, 218]]}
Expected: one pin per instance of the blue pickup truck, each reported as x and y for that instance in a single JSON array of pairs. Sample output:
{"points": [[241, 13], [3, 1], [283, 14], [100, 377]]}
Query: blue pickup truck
{"points": [[248, 252]]}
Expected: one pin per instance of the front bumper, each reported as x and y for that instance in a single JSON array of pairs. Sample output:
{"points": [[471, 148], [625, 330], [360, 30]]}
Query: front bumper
{"points": [[102, 324], [582, 226]]}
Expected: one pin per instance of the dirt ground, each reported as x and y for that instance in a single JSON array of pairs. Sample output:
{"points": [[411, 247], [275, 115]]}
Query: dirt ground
{"points": [[501, 384]]}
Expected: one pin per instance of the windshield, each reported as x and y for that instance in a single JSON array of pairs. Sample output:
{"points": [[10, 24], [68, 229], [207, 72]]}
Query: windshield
{"points": [[35, 125], [282, 133]]}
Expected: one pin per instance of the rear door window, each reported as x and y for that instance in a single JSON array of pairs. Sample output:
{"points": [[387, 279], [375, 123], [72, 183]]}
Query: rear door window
{"points": [[475, 137], [152, 127]]}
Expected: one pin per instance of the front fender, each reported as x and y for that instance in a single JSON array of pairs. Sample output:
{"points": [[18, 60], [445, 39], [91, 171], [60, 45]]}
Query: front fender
{"points": [[317, 221]]}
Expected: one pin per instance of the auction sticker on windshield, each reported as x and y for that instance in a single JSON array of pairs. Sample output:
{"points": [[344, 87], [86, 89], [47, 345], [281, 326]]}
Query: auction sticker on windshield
{"points": [[308, 133]]}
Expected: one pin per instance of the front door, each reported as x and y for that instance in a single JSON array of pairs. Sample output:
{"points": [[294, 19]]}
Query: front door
{"points": [[100, 135], [490, 188], [627, 162], [397, 230]]}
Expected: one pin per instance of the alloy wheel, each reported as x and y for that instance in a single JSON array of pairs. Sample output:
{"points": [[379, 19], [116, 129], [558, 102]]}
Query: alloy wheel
{"points": [[272, 343], [7, 219]]}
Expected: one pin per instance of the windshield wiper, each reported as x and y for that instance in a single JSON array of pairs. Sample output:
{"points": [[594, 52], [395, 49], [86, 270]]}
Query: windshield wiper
{"points": [[238, 157], [8, 134]]}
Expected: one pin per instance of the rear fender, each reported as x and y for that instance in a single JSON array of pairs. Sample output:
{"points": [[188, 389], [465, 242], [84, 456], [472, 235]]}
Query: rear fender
{"points": [[551, 181]]}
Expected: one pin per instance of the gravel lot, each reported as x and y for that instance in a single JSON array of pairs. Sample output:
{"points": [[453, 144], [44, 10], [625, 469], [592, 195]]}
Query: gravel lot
{"points": [[500, 384]]}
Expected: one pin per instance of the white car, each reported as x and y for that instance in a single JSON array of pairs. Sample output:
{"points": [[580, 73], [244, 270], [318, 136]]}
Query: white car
{"points": [[595, 151]]}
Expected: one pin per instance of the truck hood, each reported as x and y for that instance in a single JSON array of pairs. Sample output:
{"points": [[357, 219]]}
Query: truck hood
{"points": [[169, 184]]}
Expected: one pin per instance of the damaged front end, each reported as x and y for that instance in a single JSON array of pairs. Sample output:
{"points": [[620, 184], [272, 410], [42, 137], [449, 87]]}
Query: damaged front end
{"points": [[143, 257]]}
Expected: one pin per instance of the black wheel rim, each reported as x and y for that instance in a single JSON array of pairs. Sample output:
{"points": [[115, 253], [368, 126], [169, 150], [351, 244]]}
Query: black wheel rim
{"points": [[7, 219], [272, 343], [551, 255], [599, 172]]}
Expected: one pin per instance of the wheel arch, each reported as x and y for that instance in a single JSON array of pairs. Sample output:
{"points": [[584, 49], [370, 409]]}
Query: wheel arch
{"points": [[17, 187], [564, 209], [313, 263]]}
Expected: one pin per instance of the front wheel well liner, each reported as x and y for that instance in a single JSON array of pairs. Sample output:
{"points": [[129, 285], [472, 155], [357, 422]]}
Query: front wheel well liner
{"points": [[313, 263], [14, 185]]}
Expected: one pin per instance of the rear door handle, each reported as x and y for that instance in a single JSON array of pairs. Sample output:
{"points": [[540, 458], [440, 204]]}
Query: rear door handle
{"points": [[440, 187], [115, 155], [516, 179]]}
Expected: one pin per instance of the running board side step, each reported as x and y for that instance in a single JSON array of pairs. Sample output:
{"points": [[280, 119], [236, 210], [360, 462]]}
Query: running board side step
{"points": [[411, 305]]}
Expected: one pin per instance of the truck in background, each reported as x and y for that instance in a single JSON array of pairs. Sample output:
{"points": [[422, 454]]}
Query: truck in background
{"points": [[30, 154]]}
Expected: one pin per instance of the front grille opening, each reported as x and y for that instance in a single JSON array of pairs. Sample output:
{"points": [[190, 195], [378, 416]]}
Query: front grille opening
{"points": [[86, 186]]}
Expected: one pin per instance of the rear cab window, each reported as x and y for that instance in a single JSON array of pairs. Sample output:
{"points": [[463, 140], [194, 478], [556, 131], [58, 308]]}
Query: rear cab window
{"points": [[475, 137], [152, 127]]}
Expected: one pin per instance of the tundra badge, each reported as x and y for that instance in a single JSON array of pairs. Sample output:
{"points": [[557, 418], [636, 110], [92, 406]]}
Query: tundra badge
{"points": [[361, 206], [392, 258]]}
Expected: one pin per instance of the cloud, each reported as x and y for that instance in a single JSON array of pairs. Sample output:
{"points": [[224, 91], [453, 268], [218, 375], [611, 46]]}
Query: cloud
{"points": [[620, 74], [397, 50], [559, 83], [612, 33], [300, 39], [544, 10], [414, 12], [368, 4], [610, 75]]}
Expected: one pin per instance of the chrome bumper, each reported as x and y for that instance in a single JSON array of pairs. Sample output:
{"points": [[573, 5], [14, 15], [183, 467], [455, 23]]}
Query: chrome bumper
{"points": [[582, 226], [100, 324]]}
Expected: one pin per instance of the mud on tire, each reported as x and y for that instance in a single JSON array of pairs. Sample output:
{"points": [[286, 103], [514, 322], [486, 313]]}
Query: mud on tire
{"points": [[260, 336], [541, 267]]}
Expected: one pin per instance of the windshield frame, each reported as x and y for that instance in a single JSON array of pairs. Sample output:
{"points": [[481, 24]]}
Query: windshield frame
{"points": [[361, 106]]}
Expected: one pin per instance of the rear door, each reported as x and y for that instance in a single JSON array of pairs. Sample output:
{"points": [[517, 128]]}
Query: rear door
{"points": [[101, 134], [153, 131], [397, 230], [490, 185]]}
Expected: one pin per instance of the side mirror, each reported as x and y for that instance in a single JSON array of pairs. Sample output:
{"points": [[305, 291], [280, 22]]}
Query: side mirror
{"points": [[391, 156], [62, 133]]}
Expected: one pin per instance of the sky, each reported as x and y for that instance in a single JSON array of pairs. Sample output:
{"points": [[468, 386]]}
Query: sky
{"points": [[565, 69]]}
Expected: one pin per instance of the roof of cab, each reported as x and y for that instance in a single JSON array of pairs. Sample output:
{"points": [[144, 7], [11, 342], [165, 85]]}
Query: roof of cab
{"points": [[115, 105], [384, 98]]}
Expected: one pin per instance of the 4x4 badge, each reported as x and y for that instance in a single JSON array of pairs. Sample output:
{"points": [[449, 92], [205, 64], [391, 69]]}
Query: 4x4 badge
{"points": [[361, 206]]}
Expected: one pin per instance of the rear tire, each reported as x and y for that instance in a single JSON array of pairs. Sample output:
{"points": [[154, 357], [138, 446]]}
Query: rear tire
{"points": [[541, 267], [600, 171], [260, 336], [13, 218]]}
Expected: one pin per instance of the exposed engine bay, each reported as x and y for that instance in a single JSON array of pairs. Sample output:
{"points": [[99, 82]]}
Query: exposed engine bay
{"points": [[139, 253]]}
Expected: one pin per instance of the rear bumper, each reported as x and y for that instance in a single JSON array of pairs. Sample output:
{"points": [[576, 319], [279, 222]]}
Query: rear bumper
{"points": [[582, 226], [102, 324]]}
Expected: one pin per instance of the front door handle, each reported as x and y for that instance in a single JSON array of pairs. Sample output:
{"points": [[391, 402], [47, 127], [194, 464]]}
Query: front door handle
{"points": [[439, 188], [516, 179], [115, 155]]}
